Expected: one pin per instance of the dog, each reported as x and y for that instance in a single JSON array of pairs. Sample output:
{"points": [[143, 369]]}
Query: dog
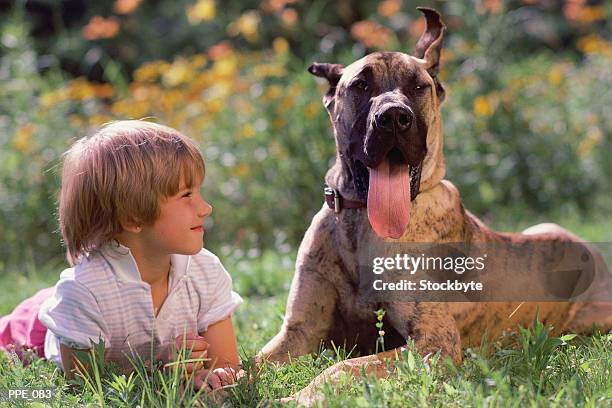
{"points": [[387, 186]]}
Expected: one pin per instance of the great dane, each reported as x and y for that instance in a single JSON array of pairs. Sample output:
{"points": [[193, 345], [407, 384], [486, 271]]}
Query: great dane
{"points": [[387, 185]]}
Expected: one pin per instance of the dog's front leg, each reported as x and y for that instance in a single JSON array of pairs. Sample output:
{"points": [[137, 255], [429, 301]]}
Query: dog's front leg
{"points": [[312, 297], [429, 324]]}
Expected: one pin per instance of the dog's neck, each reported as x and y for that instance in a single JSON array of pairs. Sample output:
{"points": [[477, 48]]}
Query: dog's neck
{"points": [[339, 176]]}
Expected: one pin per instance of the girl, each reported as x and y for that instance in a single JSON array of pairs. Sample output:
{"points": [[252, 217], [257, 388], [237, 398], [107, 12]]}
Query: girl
{"points": [[131, 216]]}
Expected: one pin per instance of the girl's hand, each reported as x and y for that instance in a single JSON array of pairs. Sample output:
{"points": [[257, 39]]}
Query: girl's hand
{"points": [[217, 378], [195, 348]]}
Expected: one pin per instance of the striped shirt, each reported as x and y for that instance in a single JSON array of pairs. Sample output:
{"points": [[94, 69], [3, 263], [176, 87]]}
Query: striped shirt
{"points": [[103, 297]]}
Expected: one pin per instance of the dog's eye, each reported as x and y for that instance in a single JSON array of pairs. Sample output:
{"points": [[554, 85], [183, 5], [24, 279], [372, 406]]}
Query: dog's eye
{"points": [[360, 84], [421, 87]]}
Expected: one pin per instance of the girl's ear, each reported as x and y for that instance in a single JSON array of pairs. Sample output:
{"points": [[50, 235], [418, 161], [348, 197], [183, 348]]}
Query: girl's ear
{"points": [[131, 225]]}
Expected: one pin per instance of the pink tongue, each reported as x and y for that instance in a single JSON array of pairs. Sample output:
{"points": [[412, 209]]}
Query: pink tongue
{"points": [[389, 199]]}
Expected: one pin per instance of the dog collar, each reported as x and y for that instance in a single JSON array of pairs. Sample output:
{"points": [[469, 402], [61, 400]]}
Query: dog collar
{"points": [[336, 202]]}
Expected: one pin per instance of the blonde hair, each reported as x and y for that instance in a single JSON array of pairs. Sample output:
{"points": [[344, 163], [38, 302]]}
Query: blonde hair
{"points": [[119, 175]]}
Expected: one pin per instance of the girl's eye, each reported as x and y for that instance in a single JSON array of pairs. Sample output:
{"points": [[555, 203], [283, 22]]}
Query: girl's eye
{"points": [[187, 194]]}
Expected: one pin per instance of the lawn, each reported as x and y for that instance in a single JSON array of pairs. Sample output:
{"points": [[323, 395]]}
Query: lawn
{"points": [[523, 368]]}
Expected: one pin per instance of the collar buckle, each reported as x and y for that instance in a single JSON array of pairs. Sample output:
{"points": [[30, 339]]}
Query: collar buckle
{"points": [[336, 194]]}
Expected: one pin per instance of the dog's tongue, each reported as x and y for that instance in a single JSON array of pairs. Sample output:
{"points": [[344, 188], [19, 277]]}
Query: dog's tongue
{"points": [[389, 199]]}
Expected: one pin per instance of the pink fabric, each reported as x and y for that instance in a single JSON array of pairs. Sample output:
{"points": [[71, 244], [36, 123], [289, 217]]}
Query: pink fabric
{"points": [[21, 329]]}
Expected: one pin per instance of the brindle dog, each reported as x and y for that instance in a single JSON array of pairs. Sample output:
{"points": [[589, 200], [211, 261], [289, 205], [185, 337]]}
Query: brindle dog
{"points": [[385, 112]]}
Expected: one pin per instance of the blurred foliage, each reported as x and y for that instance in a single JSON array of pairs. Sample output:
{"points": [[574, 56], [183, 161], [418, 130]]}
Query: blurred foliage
{"points": [[527, 116]]}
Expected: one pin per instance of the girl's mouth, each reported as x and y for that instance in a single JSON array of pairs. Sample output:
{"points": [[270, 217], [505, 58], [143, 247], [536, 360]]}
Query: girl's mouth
{"points": [[198, 229]]}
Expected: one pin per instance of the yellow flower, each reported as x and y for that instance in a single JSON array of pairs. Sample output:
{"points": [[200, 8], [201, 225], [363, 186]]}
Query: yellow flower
{"points": [[240, 170], [483, 106], [280, 46], [150, 71], [98, 119], [198, 61], [76, 121], [593, 137], [226, 67], [312, 109], [593, 44], [214, 106], [279, 123], [23, 137], [247, 130], [555, 75], [80, 89], [247, 25], [131, 109], [49, 99], [286, 104], [171, 99], [273, 92], [269, 70], [178, 73], [203, 10]]}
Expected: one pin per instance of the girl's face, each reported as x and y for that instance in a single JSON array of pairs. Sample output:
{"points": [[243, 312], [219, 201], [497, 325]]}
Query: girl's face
{"points": [[179, 228]]}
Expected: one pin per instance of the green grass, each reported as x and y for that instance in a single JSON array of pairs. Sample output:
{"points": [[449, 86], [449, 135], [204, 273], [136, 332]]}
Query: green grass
{"points": [[525, 368]]}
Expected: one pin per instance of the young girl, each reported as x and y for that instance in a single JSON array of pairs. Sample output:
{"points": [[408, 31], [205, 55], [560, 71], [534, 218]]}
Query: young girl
{"points": [[131, 216]]}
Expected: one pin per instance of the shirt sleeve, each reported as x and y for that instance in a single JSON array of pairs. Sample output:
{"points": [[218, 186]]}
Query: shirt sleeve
{"points": [[219, 300], [73, 315]]}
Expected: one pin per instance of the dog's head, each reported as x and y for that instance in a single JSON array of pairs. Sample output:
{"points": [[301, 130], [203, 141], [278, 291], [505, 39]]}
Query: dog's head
{"points": [[385, 110]]}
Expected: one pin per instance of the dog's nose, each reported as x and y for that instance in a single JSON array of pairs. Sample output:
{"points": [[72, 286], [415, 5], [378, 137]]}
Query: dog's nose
{"points": [[396, 117]]}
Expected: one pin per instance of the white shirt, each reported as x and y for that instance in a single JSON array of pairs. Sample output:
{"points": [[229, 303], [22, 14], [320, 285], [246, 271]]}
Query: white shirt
{"points": [[104, 297]]}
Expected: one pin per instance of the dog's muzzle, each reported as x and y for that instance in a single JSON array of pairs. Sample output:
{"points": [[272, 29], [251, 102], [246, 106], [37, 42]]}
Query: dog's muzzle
{"points": [[394, 118]]}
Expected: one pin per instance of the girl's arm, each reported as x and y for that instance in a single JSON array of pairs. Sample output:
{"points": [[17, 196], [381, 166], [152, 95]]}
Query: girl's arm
{"points": [[69, 361], [222, 348]]}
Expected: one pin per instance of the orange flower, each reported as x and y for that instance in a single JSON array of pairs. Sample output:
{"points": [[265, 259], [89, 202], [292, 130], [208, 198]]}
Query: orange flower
{"points": [[389, 8], [100, 28], [576, 11], [371, 34], [289, 17], [103, 91], [220, 50], [274, 6], [126, 6], [489, 6]]}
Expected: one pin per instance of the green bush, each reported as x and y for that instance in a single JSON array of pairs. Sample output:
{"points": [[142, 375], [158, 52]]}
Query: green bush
{"points": [[526, 121]]}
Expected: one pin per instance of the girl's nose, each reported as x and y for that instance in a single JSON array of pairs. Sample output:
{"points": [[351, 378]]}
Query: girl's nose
{"points": [[205, 209]]}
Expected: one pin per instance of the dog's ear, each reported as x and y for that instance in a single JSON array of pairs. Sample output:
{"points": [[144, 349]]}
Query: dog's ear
{"points": [[331, 72], [429, 45]]}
